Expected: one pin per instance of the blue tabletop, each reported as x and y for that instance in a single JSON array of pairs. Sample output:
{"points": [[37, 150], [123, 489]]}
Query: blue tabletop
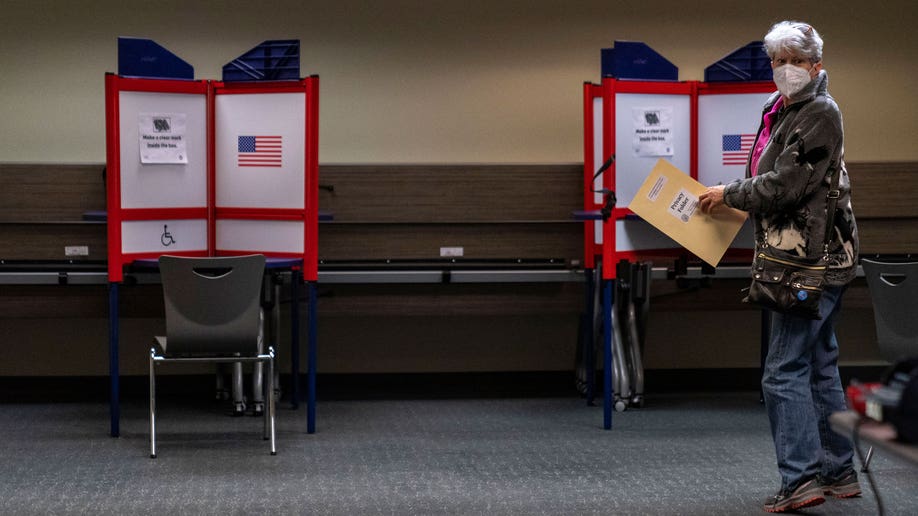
{"points": [[270, 263], [102, 216], [587, 214]]}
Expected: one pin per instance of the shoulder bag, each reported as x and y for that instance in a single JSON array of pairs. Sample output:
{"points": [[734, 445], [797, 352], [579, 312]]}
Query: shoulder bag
{"points": [[793, 286]]}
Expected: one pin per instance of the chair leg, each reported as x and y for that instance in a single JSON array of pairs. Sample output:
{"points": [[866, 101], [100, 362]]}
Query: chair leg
{"points": [[258, 397], [866, 466], [266, 412], [221, 394], [238, 396], [275, 340], [258, 391], [270, 412], [152, 405]]}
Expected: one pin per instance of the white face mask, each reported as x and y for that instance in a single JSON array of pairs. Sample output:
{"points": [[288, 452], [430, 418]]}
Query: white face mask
{"points": [[790, 79]]}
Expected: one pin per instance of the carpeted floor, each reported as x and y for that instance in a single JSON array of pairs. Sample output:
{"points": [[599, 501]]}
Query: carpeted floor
{"points": [[692, 454]]}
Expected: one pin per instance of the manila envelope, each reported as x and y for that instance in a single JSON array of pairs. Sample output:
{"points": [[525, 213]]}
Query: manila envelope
{"points": [[668, 200]]}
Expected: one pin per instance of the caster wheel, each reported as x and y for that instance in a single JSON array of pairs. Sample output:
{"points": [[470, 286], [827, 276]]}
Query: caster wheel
{"points": [[637, 401], [620, 406], [238, 409], [581, 387], [258, 410]]}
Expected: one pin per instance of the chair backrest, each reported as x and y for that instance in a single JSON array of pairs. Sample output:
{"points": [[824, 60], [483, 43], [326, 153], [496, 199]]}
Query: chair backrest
{"points": [[212, 304], [894, 291]]}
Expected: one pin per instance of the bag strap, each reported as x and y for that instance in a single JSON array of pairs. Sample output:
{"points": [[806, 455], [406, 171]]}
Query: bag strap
{"points": [[831, 204]]}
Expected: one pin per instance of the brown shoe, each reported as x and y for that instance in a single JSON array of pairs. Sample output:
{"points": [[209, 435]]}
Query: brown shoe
{"points": [[845, 487], [807, 494]]}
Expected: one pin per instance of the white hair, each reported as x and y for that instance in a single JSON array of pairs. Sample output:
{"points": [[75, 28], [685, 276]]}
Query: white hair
{"points": [[796, 38]]}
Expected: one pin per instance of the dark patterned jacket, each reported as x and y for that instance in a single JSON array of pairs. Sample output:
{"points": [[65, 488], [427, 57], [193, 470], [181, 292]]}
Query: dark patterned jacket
{"points": [[787, 196]]}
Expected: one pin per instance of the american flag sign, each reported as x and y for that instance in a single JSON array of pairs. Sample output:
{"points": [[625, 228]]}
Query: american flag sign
{"points": [[260, 151], [736, 148]]}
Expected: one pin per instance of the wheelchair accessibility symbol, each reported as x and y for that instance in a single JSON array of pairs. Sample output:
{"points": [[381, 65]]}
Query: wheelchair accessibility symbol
{"points": [[166, 237]]}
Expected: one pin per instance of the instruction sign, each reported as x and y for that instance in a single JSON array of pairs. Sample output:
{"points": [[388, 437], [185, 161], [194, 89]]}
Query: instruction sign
{"points": [[653, 131], [162, 138]]}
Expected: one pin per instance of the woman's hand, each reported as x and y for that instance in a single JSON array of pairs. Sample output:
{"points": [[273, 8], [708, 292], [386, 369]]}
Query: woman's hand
{"points": [[711, 199]]}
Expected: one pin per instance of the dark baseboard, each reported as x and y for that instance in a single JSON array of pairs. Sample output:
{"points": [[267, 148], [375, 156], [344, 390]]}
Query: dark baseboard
{"points": [[400, 385]]}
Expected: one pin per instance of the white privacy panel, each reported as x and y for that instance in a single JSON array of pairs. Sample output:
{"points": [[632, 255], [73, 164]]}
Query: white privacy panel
{"points": [[649, 127], [260, 150], [637, 235], [163, 236], [179, 179], [634, 234], [268, 236], [598, 158], [727, 126]]}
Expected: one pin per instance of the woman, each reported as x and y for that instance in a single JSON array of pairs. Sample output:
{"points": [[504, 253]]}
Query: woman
{"points": [[798, 149]]}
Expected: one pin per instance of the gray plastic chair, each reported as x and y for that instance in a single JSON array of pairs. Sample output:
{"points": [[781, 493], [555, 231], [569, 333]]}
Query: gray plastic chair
{"points": [[894, 292], [212, 315]]}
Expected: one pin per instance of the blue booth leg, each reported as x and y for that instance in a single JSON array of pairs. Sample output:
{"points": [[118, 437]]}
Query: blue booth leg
{"points": [[588, 336], [295, 340], [311, 358], [607, 304]]}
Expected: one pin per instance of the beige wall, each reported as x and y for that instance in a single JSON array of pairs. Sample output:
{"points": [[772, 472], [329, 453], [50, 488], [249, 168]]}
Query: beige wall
{"points": [[406, 81]]}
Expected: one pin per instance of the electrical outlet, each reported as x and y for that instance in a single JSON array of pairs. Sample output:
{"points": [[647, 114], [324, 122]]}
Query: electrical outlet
{"points": [[450, 252], [76, 250]]}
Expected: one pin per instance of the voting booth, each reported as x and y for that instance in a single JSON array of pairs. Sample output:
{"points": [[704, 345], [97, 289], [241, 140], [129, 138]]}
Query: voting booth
{"points": [[637, 115], [211, 168], [704, 129]]}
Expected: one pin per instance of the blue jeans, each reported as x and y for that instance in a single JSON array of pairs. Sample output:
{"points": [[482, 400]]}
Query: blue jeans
{"points": [[802, 388]]}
